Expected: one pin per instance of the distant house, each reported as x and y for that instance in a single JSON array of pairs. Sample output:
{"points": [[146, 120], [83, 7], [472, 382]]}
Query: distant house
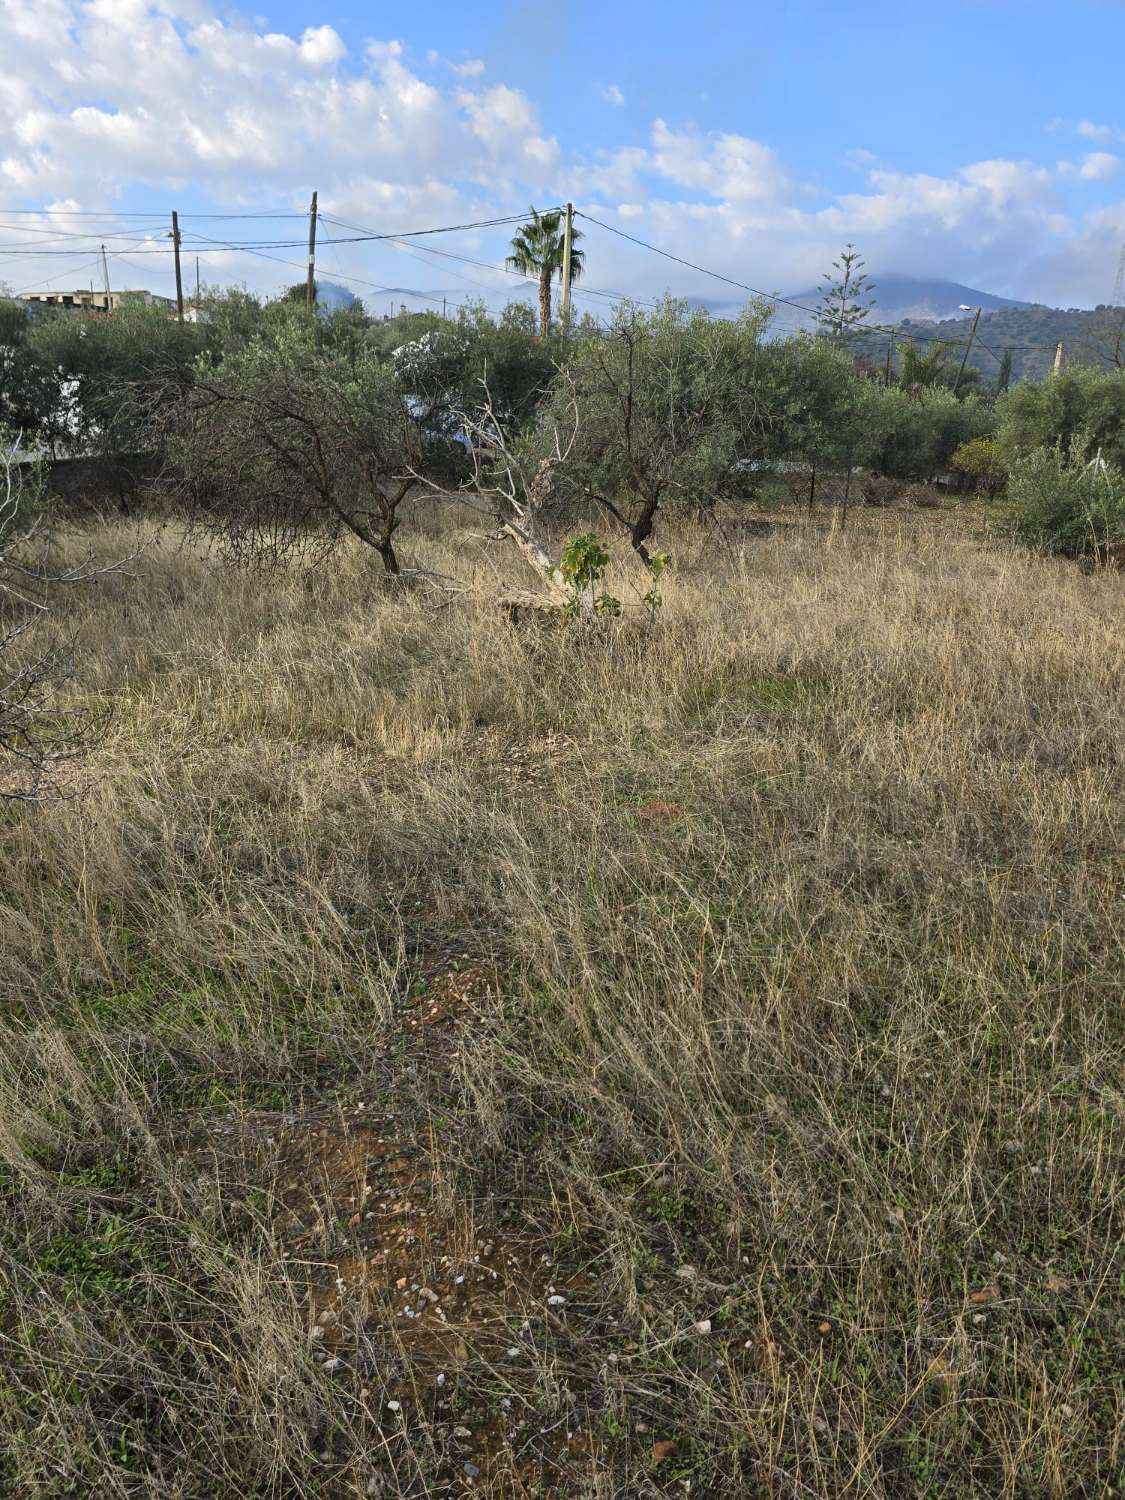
{"points": [[88, 301]]}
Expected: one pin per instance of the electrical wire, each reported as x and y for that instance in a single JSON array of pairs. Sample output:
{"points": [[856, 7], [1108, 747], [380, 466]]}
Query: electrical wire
{"points": [[583, 291], [786, 301], [357, 280], [203, 245], [114, 213], [84, 266]]}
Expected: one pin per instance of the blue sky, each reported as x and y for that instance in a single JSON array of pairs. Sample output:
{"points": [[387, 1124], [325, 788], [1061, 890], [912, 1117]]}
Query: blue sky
{"points": [[982, 140]]}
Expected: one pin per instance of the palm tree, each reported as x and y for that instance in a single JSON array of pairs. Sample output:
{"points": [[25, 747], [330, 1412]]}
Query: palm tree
{"points": [[537, 250]]}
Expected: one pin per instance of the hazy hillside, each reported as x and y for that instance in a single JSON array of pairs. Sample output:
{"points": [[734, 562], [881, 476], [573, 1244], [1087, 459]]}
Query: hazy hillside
{"points": [[1089, 336], [899, 297]]}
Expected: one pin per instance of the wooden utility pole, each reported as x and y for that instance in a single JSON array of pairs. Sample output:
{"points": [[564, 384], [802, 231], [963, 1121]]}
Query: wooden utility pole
{"points": [[568, 242], [310, 284], [176, 254], [197, 283], [968, 346], [105, 279], [890, 347], [1058, 358]]}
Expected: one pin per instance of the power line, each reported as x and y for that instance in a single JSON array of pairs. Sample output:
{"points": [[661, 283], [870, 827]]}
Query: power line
{"points": [[783, 301], [114, 213], [468, 260], [204, 244], [83, 266], [57, 235], [364, 238], [358, 280]]}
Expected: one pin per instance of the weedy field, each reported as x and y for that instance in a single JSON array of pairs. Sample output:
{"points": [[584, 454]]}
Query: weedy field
{"points": [[444, 1055]]}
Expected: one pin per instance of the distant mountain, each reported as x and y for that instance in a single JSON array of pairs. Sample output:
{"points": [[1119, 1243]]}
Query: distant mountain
{"points": [[920, 299]]}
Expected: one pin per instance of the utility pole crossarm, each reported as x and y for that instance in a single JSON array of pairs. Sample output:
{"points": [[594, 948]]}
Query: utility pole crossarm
{"points": [[968, 346], [176, 256], [568, 250], [310, 285]]}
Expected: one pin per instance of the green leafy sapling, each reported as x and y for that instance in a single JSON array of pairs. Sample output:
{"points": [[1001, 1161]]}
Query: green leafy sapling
{"points": [[583, 566]]}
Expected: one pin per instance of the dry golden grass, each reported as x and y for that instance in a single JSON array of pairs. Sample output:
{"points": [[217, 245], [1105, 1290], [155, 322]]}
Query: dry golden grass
{"points": [[805, 916]]}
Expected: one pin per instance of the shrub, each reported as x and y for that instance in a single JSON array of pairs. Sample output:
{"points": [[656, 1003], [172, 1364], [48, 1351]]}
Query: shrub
{"points": [[981, 461], [915, 434], [1078, 411], [1064, 506]]}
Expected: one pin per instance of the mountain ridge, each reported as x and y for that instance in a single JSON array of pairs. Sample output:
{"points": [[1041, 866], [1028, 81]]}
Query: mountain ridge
{"points": [[921, 299]]}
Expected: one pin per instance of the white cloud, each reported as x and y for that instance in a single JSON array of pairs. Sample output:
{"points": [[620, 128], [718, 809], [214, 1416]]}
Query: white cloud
{"points": [[1099, 166], [506, 123], [611, 94], [1094, 132], [473, 68], [321, 45], [722, 164]]}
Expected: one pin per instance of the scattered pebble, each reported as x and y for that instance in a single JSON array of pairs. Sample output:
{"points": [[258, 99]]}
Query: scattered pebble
{"points": [[703, 1326]]}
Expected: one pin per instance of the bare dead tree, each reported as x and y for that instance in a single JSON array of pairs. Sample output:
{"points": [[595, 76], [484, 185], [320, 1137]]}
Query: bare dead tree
{"points": [[520, 495]]}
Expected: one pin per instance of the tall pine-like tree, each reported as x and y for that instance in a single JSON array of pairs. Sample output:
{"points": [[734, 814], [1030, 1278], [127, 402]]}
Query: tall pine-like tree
{"points": [[845, 297]]}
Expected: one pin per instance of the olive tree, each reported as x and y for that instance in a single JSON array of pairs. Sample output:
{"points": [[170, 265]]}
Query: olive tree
{"points": [[443, 365], [285, 448], [28, 388], [913, 434], [1081, 412], [667, 405], [108, 372]]}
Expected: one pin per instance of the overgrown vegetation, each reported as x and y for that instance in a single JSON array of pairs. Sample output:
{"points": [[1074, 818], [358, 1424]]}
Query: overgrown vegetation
{"points": [[676, 411], [799, 1059], [1064, 504], [671, 1042]]}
